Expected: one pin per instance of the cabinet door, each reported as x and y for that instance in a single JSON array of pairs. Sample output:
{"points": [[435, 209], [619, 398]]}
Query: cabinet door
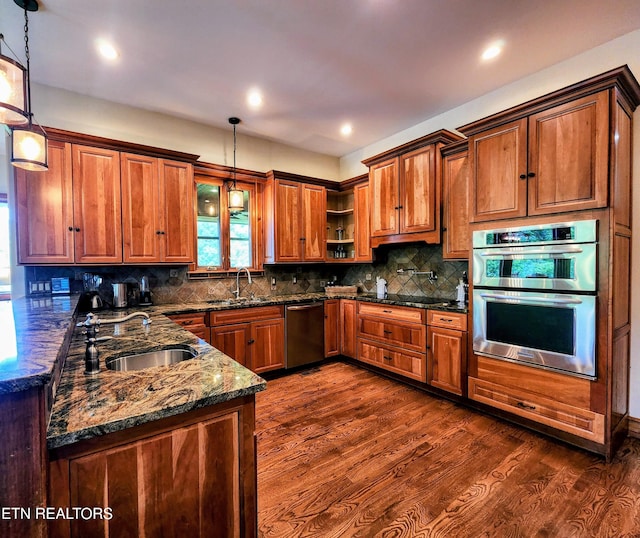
{"points": [[140, 209], [569, 156], [96, 205], [45, 210], [232, 340], [446, 359], [288, 233], [266, 345], [418, 191], [314, 204], [177, 211], [348, 327], [187, 482], [362, 236], [383, 198], [331, 319], [497, 160], [455, 206]]}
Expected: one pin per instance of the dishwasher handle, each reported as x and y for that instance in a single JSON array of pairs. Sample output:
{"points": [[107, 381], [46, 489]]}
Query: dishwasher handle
{"points": [[304, 307]]}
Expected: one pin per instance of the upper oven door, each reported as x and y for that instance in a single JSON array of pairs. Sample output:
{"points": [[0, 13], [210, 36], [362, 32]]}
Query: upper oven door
{"points": [[564, 267]]}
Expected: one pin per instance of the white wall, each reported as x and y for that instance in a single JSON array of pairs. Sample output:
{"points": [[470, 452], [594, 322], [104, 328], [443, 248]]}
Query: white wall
{"points": [[75, 112], [613, 54]]}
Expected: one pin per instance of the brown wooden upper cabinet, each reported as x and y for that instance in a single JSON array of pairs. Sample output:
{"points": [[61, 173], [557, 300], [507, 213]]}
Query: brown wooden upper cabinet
{"points": [[295, 221], [71, 212], [455, 201], [404, 191], [75, 211], [157, 209], [548, 157]]}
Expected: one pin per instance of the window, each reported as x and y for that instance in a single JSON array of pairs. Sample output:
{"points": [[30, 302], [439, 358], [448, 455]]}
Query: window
{"points": [[5, 274], [225, 238]]}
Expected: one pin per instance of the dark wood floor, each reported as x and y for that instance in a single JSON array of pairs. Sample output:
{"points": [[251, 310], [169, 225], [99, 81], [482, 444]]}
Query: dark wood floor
{"points": [[345, 452]]}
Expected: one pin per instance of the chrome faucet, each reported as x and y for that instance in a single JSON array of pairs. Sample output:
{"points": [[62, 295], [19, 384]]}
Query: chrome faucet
{"points": [[92, 324], [236, 292]]}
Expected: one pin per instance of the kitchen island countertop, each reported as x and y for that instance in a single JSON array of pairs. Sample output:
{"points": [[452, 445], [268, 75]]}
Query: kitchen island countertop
{"points": [[88, 406]]}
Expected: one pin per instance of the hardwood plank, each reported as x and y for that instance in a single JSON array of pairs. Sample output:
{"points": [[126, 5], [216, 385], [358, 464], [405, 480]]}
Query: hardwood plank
{"points": [[345, 452]]}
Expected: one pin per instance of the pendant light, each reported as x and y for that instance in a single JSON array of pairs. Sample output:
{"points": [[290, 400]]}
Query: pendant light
{"points": [[236, 196], [13, 90], [28, 143]]}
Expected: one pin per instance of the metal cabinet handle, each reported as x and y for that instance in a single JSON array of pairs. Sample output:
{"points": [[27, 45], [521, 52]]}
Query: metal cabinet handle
{"points": [[386, 358], [523, 405], [388, 311], [251, 341]]}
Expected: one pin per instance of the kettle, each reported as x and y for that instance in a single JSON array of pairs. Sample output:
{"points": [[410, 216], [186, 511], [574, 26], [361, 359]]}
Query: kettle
{"points": [[381, 288], [96, 302]]}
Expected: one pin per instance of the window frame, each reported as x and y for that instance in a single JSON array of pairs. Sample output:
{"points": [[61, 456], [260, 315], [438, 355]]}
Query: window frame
{"points": [[225, 228]]}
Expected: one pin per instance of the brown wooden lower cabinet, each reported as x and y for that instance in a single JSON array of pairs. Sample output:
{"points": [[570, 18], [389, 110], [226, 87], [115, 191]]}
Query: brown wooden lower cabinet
{"points": [[331, 327], [406, 363], [447, 351], [194, 322], [393, 338], [190, 475], [556, 400], [254, 337], [348, 327]]}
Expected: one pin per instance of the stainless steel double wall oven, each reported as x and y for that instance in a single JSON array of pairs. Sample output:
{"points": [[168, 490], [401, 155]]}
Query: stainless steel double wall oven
{"points": [[534, 295]]}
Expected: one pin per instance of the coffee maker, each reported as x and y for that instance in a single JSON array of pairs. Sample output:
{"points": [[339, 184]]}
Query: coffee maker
{"points": [[145, 292]]}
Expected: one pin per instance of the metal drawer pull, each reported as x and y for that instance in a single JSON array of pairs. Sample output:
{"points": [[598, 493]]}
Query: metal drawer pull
{"points": [[525, 406], [386, 358], [386, 332], [448, 320], [388, 311]]}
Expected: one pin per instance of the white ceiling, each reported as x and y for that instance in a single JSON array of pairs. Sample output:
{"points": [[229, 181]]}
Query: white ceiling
{"points": [[383, 65]]}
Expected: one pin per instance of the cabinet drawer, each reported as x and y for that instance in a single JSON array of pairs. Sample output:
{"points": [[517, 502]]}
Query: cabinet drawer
{"points": [[400, 313], [189, 321], [447, 320], [553, 413], [240, 315], [406, 363], [407, 335], [559, 387]]}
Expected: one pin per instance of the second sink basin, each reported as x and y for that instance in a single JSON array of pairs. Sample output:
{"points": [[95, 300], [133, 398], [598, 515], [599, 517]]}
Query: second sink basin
{"points": [[140, 361]]}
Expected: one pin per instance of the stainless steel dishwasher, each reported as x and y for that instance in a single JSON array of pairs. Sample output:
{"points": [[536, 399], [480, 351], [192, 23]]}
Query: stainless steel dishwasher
{"points": [[304, 334]]}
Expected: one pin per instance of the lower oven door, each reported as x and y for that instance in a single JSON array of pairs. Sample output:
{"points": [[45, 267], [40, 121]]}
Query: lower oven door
{"points": [[541, 329]]}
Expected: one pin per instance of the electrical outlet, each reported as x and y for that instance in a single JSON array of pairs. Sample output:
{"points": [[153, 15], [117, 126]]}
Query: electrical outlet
{"points": [[367, 276], [173, 273], [273, 283], [323, 283], [294, 280]]}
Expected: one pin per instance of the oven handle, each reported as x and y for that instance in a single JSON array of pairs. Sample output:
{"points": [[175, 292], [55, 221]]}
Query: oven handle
{"points": [[505, 298], [501, 253]]}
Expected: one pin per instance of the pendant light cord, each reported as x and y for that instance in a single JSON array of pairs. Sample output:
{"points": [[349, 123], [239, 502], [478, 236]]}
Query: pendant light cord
{"points": [[234, 157], [28, 56]]}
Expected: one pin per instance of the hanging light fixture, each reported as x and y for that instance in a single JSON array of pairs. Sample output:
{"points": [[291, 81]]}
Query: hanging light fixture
{"points": [[28, 143], [236, 196], [13, 89]]}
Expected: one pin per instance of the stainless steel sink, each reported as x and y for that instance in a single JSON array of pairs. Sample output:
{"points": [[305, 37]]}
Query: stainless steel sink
{"points": [[140, 361]]}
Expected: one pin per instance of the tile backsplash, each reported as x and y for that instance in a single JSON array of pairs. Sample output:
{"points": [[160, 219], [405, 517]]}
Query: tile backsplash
{"points": [[171, 285]]}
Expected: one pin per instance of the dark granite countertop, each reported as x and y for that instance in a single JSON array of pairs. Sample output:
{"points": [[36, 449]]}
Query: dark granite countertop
{"points": [[35, 334], [428, 303], [89, 406], [42, 331]]}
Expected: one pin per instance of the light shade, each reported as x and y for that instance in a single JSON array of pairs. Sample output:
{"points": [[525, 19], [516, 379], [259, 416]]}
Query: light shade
{"points": [[13, 92], [236, 199], [29, 148]]}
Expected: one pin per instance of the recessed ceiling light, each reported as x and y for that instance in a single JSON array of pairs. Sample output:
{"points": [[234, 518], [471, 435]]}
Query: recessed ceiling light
{"points": [[107, 50], [492, 50], [346, 129], [254, 98]]}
